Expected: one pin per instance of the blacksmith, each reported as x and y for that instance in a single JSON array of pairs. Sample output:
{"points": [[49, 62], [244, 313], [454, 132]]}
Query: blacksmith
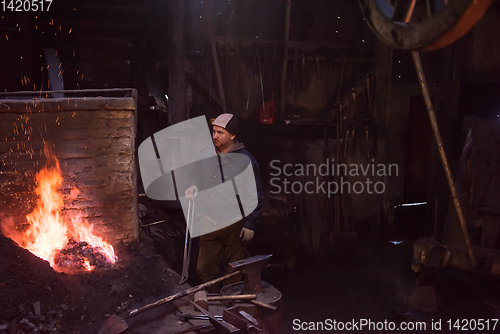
{"points": [[228, 177]]}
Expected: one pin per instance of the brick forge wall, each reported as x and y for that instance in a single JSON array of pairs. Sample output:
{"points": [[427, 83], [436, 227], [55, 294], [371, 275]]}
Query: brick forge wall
{"points": [[94, 141]]}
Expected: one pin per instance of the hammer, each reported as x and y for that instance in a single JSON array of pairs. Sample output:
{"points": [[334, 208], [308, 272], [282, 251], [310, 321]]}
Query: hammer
{"points": [[115, 324], [202, 299]]}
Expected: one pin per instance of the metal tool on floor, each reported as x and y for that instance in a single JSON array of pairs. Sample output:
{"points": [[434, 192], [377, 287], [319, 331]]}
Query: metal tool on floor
{"points": [[188, 316], [194, 329], [220, 325], [115, 324], [187, 243], [242, 320]]}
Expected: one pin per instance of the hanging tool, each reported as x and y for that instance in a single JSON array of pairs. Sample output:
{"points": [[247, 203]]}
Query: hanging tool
{"points": [[210, 85], [226, 59], [368, 92], [261, 82], [353, 143], [187, 243], [317, 67], [345, 141], [367, 144], [266, 66], [237, 68], [303, 72], [354, 105], [294, 78], [251, 80]]}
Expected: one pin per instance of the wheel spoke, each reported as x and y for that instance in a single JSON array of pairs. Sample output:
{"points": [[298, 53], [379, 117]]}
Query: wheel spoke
{"points": [[404, 10]]}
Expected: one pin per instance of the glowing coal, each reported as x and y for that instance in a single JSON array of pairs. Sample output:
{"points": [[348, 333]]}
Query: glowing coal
{"points": [[48, 236]]}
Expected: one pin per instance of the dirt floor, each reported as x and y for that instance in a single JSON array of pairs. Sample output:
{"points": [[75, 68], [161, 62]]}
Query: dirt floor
{"points": [[374, 286], [81, 302]]}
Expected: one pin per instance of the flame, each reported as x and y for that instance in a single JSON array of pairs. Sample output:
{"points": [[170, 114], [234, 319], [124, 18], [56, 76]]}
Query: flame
{"points": [[87, 265], [82, 232], [47, 233]]}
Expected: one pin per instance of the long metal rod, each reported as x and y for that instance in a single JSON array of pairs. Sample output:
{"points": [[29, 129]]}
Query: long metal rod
{"points": [[187, 243], [409, 13], [439, 141], [38, 92]]}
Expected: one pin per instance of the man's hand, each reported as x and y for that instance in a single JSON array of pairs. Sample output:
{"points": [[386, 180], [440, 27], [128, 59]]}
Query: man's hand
{"points": [[246, 233], [191, 192]]}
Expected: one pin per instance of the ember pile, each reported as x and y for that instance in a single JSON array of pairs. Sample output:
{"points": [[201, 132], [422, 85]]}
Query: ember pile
{"points": [[80, 255], [34, 298], [63, 243]]}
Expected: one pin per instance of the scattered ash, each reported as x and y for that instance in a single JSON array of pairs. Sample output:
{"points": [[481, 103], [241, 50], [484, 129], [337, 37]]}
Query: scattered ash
{"points": [[73, 255], [34, 298]]}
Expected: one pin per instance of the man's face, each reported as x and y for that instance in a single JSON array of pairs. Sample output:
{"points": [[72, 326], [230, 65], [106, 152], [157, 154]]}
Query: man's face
{"points": [[221, 137]]}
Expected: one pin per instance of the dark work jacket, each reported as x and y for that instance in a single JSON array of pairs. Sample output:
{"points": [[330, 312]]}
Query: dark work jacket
{"points": [[215, 168]]}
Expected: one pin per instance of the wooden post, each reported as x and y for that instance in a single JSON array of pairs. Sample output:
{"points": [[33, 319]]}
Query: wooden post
{"points": [[215, 56], [286, 37], [176, 75], [444, 159]]}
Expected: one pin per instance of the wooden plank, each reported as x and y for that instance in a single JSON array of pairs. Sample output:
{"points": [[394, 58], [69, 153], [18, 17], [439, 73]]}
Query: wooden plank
{"points": [[215, 57], [286, 36], [176, 74]]}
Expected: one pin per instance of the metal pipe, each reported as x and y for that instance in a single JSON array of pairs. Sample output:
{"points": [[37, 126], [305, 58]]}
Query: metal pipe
{"points": [[39, 92], [442, 153]]}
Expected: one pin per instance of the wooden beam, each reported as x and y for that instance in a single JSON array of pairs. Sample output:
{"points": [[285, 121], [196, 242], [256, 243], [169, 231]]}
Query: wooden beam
{"points": [[214, 56], [176, 74], [286, 36]]}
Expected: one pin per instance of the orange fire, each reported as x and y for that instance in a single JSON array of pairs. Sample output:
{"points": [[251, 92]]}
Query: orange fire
{"points": [[46, 232]]}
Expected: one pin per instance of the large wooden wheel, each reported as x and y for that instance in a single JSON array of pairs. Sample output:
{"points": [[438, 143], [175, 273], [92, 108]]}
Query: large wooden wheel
{"points": [[422, 25]]}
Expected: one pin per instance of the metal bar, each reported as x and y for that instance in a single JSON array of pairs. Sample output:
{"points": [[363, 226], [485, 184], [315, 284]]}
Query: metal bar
{"points": [[410, 11], [155, 223], [442, 153], [39, 92]]}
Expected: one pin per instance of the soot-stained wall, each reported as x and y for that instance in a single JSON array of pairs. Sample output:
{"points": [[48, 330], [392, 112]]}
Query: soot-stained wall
{"points": [[94, 142]]}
